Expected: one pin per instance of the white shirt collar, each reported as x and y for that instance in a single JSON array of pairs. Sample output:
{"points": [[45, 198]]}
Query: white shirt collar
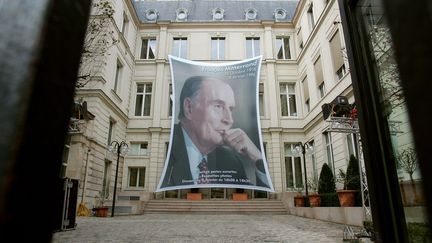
{"points": [[194, 156]]}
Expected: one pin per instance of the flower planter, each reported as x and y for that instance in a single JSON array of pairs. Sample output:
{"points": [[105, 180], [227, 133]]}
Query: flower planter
{"points": [[101, 211], [346, 197], [240, 196], [299, 201], [194, 196], [315, 200]]}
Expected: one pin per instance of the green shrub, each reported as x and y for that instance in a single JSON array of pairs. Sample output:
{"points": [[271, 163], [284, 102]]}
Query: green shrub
{"points": [[330, 199], [353, 174], [326, 182]]}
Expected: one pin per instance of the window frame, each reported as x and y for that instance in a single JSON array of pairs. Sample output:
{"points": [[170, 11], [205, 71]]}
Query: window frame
{"points": [[146, 154], [183, 41], [283, 45], [255, 44], [220, 54], [147, 51], [293, 161], [288, 98], [139, 175], [144, 93]]}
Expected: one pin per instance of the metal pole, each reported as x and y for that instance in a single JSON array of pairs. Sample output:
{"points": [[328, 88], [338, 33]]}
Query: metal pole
{"points": [[115, 181], [304, 165], [85, 177]]}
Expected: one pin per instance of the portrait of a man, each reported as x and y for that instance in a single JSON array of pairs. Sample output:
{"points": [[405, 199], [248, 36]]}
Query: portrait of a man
{"points": [[206, 149]]}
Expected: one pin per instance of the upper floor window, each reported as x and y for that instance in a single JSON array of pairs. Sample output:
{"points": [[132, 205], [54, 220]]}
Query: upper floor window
{"points": [[118, 76], [310, 15], [337, 56], [170, 103], [250, 14], [319, 77], [148, 48], [218, 48], [261, 99], [151, 15], [252, 47], [279, 14], [288, 99], [218, 14], [300, 39], [110, 131], [143, 99], [125, 24], [138, 149], [181, 14], [306, 93], [283, 48], [180, 47]]}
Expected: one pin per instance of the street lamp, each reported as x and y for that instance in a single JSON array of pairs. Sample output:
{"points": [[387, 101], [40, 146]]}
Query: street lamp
{"points": [[300, 149], [117, 148]]}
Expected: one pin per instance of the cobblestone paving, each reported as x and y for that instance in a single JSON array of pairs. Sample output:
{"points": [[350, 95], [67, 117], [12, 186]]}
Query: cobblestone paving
{"points": [[201, 228]]}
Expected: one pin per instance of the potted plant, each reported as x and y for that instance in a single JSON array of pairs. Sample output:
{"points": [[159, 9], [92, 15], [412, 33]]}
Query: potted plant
{"points": [[351, 183], [314, 197], [101, 210], [327, 187], [299, 199]]}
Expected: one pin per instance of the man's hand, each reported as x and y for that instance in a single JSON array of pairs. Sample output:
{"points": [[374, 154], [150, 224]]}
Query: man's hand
{"points": [[240, 142]]}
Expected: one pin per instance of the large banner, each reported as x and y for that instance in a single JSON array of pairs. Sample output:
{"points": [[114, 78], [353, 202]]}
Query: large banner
{"points": [[216, 135]]}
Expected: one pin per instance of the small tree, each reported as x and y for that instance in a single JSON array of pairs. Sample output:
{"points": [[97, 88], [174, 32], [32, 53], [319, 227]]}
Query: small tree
{"points": [[327, 187], [407, 161], [350, 179]]}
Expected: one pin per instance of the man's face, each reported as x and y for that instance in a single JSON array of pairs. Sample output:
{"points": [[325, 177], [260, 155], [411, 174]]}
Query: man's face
{"points": [[211, 113]]}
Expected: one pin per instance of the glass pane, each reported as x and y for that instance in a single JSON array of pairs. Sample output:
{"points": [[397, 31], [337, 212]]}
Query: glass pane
{"points": [[221, 49], [141, 177], [217, 193], [144, 49], [176, 48], [289, 173], [140, 88], [183, 48], [287, 48], [261, 104], [152, 49], [147, 104], [291, 88], [148, 88], [298, 172], [279, 48], [214, 48], [133, 177], [134, 149], [138, 105], [282, 88], [143, 149], [284, 105], [287, 150], [249, 48], [256, 47], [293, 105]]}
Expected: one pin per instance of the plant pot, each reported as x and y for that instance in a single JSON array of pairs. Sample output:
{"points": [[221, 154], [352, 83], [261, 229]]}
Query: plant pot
{"points": [[101, 211], [194, 196], [347, 197], [315, 200], [299, 201], [240, 196]]}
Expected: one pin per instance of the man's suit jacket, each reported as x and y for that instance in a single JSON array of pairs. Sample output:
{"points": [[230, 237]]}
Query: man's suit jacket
{"points": [[178, 171]]}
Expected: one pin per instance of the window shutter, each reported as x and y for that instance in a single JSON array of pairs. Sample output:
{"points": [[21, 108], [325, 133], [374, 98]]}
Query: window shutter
{"points": [[318, 72], [336, 51]]}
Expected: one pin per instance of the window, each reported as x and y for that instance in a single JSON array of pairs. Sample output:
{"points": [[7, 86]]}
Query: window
{"points": [[218, 48], [180, 47], [106, 179], [148, 48], [313, 159], [143, 99], [118, 74], [279, 14], [261, 99], [138, 149], [288, 100], [337, 56], [321, 90], [293, 169], [170, 103], [136, 176], [311, 19], [151, 15], [306, 94], [218, 14], [300, 39], [319, 77], [252, 47], [110, 131], [352, 144], [181, 14], [125, 25], [250, 14], [283, 48], [329, 151]]}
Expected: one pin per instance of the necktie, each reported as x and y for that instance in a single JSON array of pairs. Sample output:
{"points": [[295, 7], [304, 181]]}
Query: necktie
{"points": [[202, 178]]}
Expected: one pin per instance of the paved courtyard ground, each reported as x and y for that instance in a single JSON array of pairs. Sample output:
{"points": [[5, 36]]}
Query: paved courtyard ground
{"points": [[201, 228]]}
